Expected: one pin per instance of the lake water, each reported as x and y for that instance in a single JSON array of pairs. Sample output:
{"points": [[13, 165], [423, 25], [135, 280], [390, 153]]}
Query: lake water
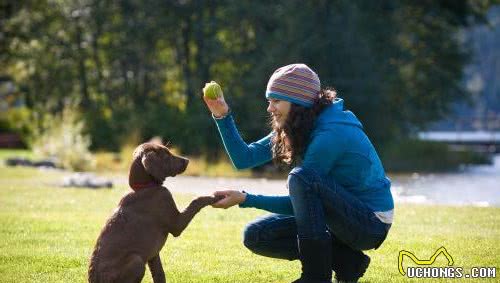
{"points": [[473, 185]]}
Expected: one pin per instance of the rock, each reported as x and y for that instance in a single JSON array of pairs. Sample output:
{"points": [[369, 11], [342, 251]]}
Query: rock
{"points": [[21, 161], [86, 180], [45, 163], [18, 161]]}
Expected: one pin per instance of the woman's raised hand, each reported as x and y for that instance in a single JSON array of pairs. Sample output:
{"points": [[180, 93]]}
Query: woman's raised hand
{"points": [[231, 197], [218, 106]]}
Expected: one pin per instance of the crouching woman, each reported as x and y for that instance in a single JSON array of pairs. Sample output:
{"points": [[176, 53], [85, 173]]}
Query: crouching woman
{"points": [[339, 201]]}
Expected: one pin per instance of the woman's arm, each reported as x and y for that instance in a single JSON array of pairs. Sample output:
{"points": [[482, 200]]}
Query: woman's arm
{"points": [[275, 204], [243, 155]]}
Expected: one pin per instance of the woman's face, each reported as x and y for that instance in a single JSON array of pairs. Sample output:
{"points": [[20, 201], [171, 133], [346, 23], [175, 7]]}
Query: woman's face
{"points": [[279, 110]]}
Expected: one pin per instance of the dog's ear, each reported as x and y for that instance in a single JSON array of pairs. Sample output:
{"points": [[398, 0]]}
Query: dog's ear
{"points": [[155, 166]]}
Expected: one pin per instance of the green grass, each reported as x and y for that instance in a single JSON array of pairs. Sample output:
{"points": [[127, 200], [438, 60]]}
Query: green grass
{"points": [[47, 234], [7, 153]]}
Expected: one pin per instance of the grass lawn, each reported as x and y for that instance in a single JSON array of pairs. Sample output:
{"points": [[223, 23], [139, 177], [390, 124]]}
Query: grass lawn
{"points": [[47, 234]]}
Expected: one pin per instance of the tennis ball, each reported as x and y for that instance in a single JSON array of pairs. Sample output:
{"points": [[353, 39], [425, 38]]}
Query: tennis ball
{"points": [[212, 90]]}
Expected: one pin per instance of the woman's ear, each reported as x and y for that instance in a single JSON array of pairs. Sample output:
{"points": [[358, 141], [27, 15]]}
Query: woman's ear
{"points": [[155, 166]]}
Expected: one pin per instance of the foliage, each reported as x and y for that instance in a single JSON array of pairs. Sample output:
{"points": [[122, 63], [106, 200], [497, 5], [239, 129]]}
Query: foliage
{"points": [[139, 66], [17, 120], [61, 137]]}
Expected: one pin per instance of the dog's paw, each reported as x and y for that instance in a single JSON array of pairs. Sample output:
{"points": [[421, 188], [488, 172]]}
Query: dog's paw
{"points": [[207, 200], [217, 198]]}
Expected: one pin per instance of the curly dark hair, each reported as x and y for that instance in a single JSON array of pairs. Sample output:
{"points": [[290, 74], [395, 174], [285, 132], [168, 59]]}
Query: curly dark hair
{"points": [[291, 140]]}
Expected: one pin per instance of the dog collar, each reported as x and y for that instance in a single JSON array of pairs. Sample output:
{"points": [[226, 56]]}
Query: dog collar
{"points": [[140, 186]]}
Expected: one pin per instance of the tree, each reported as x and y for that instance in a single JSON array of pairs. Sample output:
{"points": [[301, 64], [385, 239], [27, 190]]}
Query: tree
{"points": [[138, 67]]}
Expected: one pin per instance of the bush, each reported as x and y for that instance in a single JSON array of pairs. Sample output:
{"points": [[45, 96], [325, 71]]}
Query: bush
{"points": [[61, 137], [17, 120]]}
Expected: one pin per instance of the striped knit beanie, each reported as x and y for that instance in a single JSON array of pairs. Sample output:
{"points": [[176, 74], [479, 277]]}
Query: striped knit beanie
{"points": [[295, 83]]}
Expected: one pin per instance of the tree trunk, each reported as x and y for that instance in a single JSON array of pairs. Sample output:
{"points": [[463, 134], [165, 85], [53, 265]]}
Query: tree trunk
{"points": [[82, 73], [184, 59]]}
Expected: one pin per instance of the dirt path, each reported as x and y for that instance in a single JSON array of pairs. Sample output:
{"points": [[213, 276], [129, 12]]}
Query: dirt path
{"points": [[207, 185]]}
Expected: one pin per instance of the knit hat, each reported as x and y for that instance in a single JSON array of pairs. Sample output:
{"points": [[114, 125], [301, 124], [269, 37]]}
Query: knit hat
{"points": [[295, 83]]}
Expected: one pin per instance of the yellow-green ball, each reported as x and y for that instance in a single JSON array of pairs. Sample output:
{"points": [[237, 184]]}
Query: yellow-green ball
{"points": [[212, 90]]}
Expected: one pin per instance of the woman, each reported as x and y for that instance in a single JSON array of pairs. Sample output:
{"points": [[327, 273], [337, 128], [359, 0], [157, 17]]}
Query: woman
{"points": [[339, 200]]}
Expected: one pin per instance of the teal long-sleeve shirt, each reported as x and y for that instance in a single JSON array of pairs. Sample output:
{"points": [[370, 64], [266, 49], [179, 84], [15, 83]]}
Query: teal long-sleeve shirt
{"points": [[338, 147], [251, 155]]}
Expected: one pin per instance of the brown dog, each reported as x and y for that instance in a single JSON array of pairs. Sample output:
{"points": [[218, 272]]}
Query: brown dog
{"points": [[138, 229]]}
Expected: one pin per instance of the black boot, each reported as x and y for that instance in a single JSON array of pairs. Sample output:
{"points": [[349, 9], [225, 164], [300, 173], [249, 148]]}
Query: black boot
{"points": [[349, 265], [353, 273], [316, 259]]}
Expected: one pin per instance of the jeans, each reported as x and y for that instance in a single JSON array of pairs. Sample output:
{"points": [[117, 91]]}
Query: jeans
{"points": [[322, 209]]}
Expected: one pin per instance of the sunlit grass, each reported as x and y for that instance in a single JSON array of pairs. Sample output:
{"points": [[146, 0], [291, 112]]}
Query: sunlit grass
{"points": [[7, 153], [47, 234]]}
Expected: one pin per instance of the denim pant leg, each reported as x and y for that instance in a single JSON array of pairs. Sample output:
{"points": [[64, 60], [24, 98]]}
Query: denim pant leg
{"points": [[321, 204], [273, 235], [307, 207]]}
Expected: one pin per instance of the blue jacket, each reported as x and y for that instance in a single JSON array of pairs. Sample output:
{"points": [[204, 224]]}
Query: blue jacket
{"points": [[338, 148]]}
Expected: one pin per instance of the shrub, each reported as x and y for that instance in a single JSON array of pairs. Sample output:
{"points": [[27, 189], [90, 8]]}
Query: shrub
{"points": [[17, 120], [61, 137]]}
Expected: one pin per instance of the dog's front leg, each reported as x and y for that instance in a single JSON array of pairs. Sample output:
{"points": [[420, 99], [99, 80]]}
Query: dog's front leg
{"points": [[156, 269], [185, 217]]}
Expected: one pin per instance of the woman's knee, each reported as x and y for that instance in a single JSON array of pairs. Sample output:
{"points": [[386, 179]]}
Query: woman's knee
{"points": [[300, 180], [251, 236], [266, 230], [305, 180]]}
